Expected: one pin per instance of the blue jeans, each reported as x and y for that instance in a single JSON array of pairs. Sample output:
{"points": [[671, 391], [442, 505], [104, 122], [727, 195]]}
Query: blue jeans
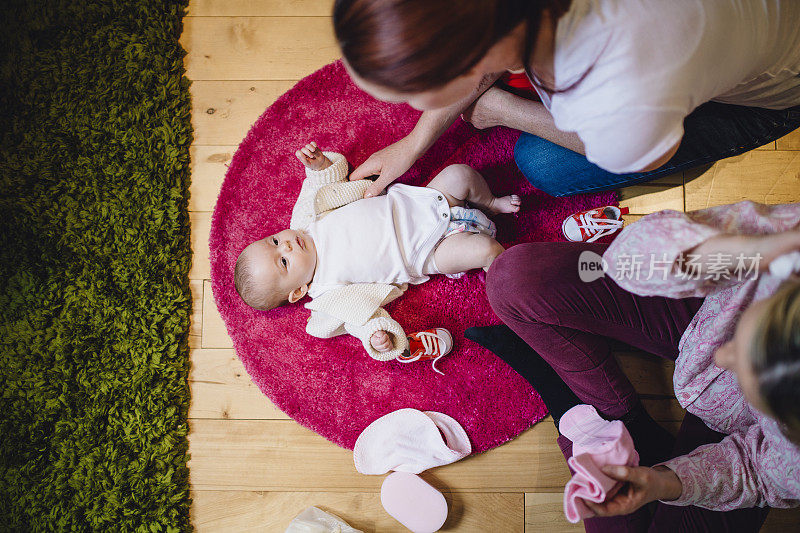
{"points": [[713, 131]]}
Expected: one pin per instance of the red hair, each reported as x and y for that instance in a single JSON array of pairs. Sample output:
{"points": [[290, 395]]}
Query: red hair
{"points": [[417, 45]]}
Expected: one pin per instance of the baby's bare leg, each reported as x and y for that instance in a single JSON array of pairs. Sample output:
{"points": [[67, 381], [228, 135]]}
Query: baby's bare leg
{"points": [[462, 182], [465, 251]]}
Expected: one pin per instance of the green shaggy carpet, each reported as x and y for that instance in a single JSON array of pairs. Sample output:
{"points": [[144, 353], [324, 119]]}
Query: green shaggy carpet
{"points": [[94, 254]]}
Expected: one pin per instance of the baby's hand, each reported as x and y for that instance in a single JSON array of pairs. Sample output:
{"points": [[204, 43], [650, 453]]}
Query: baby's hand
{"points": [[381, 341], [312, 157]]}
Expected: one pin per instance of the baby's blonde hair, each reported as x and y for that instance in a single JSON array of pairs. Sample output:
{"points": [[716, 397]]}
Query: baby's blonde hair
{"points": [[257, 293]]}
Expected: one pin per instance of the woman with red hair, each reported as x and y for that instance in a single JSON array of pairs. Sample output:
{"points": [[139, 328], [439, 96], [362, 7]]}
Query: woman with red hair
{"points": [[624, 91]]}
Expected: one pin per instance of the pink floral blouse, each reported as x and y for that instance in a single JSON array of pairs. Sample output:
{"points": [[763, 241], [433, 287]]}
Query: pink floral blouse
{"points": [[755, 465]]}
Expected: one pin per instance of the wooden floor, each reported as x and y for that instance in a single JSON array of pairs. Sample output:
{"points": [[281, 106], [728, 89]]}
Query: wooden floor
{"points": [[253, 468]]}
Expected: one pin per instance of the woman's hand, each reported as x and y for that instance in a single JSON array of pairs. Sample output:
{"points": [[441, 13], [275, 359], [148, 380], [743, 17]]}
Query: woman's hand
{"points": [[394, 160], [642, 486], [389, 164]]}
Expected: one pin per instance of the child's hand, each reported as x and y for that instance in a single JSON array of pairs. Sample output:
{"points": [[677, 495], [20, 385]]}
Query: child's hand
{"points": [[312, 157], [381, 341]]}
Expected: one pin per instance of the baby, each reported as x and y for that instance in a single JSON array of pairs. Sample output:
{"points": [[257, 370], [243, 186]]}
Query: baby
{"points": [[352, 255]]}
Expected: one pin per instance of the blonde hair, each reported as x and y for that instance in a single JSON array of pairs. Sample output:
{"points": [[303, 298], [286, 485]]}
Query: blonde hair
{"points": [[775, 357], [261, 294]]}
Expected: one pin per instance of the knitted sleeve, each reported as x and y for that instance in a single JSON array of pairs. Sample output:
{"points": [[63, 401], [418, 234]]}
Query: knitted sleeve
{"points": [[324, 326], [380, 321], [304, 212]]}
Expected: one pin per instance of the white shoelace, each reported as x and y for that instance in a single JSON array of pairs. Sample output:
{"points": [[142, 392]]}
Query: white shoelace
{"points": [[600, 227], [432, 343], [429, 342]]}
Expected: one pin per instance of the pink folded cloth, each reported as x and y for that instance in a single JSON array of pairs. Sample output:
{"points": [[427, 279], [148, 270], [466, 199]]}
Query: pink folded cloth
{"points": [[595, 443]]}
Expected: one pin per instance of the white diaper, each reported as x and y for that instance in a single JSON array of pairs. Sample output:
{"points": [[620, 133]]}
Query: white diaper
{"points": [[462, 219]]}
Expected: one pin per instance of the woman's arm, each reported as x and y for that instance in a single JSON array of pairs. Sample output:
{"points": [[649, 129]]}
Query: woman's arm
{"points": [[743, 470], [393, 161], [720, 252], [680, 255], [750, 469]]}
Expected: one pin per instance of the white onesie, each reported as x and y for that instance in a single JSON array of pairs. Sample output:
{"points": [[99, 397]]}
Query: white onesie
{"points": [[384, 239], [369, 249]]}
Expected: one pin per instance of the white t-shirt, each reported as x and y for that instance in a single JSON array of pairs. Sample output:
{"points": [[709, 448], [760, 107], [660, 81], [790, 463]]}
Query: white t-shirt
{"points": [[649, 63], [384, 239]]}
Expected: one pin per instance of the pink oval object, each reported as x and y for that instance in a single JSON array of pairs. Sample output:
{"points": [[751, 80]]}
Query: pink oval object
{"points": [[413, 502]]}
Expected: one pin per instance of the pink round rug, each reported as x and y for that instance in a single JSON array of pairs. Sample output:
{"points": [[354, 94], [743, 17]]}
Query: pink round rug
{"points": [[331, 385]]}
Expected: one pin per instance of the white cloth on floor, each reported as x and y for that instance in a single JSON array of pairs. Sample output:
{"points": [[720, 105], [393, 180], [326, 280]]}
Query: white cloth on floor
{"points": [[408, 440]]}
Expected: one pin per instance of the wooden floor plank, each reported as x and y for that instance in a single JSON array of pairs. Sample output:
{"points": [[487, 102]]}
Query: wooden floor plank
{"points": [[649, 374], [673, 180], [666, 411], [281, 455], [771, 177], [244, 511], [215, 335], [196, 321], [643, 200], [221, 388], [545, 512], [646, 198], [209, 165], [201, 229], [256, 8], [782, 521], [224, 111], [257, 48], [630, 219], [789, 142]]}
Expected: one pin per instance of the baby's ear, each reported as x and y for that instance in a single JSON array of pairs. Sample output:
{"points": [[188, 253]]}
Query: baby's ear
{"points": [[297, 294]]}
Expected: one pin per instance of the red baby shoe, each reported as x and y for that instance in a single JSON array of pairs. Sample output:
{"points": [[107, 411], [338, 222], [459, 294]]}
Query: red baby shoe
{"points": [[426, 345], [592, 224]]}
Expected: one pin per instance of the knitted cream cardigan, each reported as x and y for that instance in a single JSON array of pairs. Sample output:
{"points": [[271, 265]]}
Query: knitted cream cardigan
{"points": [[356, 309]]}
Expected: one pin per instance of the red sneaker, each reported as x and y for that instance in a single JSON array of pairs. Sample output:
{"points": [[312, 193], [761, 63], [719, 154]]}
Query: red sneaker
{"points": [[426, 345], [590, 225]]}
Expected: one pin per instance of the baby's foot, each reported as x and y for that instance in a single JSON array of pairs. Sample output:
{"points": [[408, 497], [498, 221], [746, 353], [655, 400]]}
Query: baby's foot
{"points": [[312, 157], [505, 204]]}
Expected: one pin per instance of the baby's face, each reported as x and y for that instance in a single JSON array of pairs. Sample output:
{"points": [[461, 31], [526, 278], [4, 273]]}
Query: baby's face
{"points": [[289, 257]]}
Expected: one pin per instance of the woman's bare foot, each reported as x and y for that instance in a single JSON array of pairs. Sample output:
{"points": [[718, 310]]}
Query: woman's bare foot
{"points": [[505, 204]]}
